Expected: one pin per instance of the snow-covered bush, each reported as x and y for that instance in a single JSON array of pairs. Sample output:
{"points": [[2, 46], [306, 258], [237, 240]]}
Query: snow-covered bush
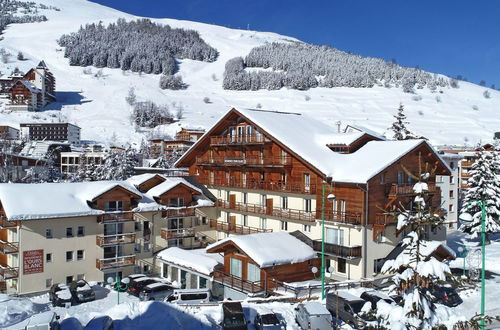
{"points": [[206, 99], [486, 94], [171, 82], [149, 114]]}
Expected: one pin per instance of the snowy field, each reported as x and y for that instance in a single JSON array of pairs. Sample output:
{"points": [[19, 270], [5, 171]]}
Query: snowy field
{"points": [[98, 105]]}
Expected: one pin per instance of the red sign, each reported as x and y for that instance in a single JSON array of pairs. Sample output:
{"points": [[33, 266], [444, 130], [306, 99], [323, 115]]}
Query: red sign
{"points": [[32, 262]]}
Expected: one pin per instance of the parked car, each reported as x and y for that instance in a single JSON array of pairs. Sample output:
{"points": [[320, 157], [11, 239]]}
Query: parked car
{"points": [[135, 276], [70, 323], [447, 296], [233, 317], [60, 295], [312, 315], [156, 291], [136, 285], [43, 321], [267, 320], [100, 323], [81, 291], [374, 297], [346, 307], [190, 296]]}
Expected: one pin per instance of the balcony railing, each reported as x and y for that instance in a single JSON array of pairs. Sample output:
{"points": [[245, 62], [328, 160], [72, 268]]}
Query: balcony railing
{"points": [[238, 140], [4, 223], [277, 212], [466, 163], [8, 272], [184, 212], [9, 247], [115, 262], [236, 229], [115, 217], [237, 283], [177, 233], [105, 240], [278, 186], [246, 161], [407, 189], [354, 218], [347, 252]]}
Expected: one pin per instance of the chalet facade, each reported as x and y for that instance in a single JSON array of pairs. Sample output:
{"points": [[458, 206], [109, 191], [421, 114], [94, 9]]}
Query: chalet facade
{"points": [[34, 90], [272, 171], [59, 232], [183, 140]]}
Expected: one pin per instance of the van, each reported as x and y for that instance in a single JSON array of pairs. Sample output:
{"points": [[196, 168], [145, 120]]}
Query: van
{"points": [[346, 307], [155, 291], [312, 315], [190, 296]]}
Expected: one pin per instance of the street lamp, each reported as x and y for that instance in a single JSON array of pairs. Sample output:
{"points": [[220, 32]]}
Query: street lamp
{"points": [[468, 218], [463, 251], [330, 197], [118, 285]]}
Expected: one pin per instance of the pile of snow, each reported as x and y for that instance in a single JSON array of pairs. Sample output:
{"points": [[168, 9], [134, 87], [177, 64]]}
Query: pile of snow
{"points": [[14, 310], [197, 260]]}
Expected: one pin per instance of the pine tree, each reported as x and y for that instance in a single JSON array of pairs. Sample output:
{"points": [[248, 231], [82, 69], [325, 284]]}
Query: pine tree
{"points": [[399, 126], [484, 186], [118, 166], [131, 98]]}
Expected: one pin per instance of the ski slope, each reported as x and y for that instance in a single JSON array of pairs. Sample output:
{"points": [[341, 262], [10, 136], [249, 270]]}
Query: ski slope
{"points": [[98, 105]]}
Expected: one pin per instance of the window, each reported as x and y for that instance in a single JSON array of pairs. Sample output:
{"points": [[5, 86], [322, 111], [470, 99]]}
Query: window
{"points": [[113, 206], [263, 200], [341, 265], [451, 179], [307, 181], [137, 248], [164, 270], [244, 198], [48, 233], [450, 208], [284, 225], [146, 247], [202, 283], [245, 220], [342, 209], [204, 220], [253, 272], [334, 236], [175, 202], [69, 232], [263, 223], [80, 255], [284, 202], [69, 255], [377, 265], [236, 266], [81, 231], [244, 179], [382, 178], [137, 226], [452, 165], [69, 279], [48, 283], [307, 205], [80, 277], [48, 257], [401, 178], [307, 228], [451, 193]]}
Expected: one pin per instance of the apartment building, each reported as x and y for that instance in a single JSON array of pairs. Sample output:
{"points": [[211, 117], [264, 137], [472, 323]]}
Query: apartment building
{"points": [[51, 132], [450, 189], [8, 133], [272, 171], [72, 160], [182, 141], [59, 232]]}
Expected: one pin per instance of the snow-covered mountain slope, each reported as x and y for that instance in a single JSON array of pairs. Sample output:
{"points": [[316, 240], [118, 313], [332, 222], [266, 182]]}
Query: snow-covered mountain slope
{"points": [[98, 104]]}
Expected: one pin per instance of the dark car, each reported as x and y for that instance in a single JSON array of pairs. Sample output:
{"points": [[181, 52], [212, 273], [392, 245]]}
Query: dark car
{"points": [[374, 297], [136, 285], [346, 307], [100, 323], [267, 320], [233, 317], [60, 295], [81, 291], [447, 296]]}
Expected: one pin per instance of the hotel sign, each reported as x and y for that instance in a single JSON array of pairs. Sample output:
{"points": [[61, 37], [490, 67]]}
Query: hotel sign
{"points": [[32, 262]]}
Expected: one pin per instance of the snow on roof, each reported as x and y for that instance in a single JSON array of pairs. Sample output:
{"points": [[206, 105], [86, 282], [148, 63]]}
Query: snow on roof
{"points": [[269, 249], [53, 200], [155, 285], [137, 180], [197, 260], [30, 86], [347, 296], [309, 139], [315, 308], [345, 138], [168, 184]]}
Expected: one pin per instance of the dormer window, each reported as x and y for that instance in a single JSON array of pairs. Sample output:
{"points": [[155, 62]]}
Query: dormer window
{"points": [[113, 206]]}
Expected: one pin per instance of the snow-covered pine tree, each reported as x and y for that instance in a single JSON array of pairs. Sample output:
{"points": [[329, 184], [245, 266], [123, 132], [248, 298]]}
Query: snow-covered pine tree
{"points": [[401, 132], [415, 270], [484, 186], [118, 165], [131, 98]]}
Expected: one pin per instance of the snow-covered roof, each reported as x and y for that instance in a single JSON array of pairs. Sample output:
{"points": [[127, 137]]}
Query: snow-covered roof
{"points": [[32, 88], [22, 201], [315, 308], [197, 260], [270, 249], [137, 180], [168, 184]]}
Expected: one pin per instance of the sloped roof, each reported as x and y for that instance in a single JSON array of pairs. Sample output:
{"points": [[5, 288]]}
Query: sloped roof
{"points": [[32, 88], [169, 184], [197, 260], [137, 180]]}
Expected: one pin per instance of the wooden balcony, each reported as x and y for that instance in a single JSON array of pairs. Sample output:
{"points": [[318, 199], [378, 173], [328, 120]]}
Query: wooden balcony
{"points": [[4, 223], [393, 189], [237, 283], [235, 229], [277, 212], [116, 262], [385, 219], [347, 252], [353, 218], [178, 212], [466, 163], [118, 239], [228, 140], [245, 161], [7, 272], [115, 217], [177, 233], [295, 188], [9, 247]]}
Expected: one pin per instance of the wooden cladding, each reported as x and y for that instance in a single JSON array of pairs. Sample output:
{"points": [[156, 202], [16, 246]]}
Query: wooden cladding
{"points": [[347, 252], [184, 212], [115, 217], [261, 185], [228, 140], [407, 189], [237, 283], [166, 233], [116, 262], [126, 238], [256, 161], [235, 229], [4, 223]]}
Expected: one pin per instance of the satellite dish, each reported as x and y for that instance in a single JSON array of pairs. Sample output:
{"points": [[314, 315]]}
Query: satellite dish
{"points": [[330, 197], [314, 270], [330, 269], [460, 249], [465, 217], [126, 280], [110, 280]]}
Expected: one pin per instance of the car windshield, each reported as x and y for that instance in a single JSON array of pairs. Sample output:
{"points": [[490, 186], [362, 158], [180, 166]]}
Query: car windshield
{"points": [[270, 319], [234, 321], [356, 306]]}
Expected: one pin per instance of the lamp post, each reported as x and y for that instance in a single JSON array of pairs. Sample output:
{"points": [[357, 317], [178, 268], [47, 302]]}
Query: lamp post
{"points": [[468, 218], [118, 285], [330, 197], [463, 251]]}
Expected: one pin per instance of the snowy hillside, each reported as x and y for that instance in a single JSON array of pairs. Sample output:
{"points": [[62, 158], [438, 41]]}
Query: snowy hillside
{"points": [[98, 105]]}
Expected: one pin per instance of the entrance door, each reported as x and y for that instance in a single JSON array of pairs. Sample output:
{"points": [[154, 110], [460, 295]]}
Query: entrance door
{"points": [[269, 206], [232, 223], [232, 201]]}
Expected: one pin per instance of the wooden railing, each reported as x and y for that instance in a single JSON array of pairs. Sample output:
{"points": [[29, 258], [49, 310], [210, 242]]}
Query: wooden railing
{"points": [[248, 161], [348, 252], [185, 212], [384, 219], [9, 247], [4, 223], [407, 189], [115, 217], [106, 263], [237, 283], [354, 218], [276, 212], [177, 233], [238, 140], [466, 163], [125, 238], [236, 229], [278, 186], [7, 272]]}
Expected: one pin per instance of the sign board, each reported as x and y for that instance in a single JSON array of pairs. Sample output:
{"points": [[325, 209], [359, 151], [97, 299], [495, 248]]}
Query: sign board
{"points": [[32, 262]]}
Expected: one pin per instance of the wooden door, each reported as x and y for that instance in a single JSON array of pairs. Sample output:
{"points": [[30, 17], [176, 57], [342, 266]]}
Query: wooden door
{"points": [[232, 201], [269, 206], [232, 223]]}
